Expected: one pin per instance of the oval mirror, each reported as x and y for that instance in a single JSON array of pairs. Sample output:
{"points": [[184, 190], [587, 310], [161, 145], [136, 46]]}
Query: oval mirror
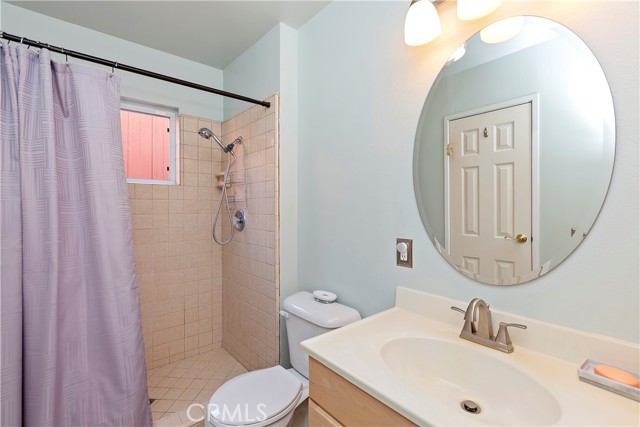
{"points": [[514, 150]]}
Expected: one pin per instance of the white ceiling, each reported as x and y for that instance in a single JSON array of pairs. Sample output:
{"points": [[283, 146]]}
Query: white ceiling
{"points": [[210, 32]]}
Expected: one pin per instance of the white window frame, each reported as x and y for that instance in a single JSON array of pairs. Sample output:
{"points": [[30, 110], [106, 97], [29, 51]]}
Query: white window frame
{"points": [[137, 106]]}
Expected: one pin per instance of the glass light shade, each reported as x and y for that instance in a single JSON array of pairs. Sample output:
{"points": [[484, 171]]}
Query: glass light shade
{"points": [[469, 10], [502, 30], [422, 23]]}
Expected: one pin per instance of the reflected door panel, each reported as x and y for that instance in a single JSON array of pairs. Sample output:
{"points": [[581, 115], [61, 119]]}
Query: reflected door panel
{"points": [[572, 151], [490, 194]]}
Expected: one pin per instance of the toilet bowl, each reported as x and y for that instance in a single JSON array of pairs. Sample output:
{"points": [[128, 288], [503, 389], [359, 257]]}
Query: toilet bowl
{"points": [[266, 397], [269, 397]]}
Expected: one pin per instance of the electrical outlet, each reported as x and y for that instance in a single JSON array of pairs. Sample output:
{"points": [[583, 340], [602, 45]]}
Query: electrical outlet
{"points": [[404, 253]]}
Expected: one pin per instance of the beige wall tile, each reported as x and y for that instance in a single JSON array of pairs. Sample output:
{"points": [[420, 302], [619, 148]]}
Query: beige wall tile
{"points": [[160, 192], [189, 138], [180, 271], [161, 352], [175, 192], [160, 206], [191, 343], [190, 179], [190, 165], [190, 151], [248, 327], [204, 153], [141, 206], [176, 206], [190, 124], [164, 237], [143, 191]]}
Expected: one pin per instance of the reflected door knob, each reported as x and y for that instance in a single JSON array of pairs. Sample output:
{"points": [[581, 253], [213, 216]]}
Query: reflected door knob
{"points": [[520, 238]]}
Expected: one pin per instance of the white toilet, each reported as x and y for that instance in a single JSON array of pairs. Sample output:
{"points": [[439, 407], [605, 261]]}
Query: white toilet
{"points": [[269, 397]]}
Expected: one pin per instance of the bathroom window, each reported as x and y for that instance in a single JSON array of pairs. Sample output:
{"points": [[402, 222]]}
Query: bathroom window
{"points": [[148, 143]]}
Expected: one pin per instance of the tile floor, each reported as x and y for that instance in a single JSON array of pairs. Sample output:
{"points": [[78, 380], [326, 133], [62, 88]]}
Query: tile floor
{"points": [[192, 380]]}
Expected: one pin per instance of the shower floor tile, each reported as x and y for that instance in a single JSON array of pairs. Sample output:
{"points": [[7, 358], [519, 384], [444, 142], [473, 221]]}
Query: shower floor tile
{"points": [[193, 380]]}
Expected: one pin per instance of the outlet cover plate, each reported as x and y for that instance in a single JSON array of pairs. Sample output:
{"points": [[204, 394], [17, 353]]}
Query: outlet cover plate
{"points": [[409, 261]]}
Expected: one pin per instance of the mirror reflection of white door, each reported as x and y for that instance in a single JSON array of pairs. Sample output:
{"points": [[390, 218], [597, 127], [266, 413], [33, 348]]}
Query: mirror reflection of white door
{"points": [[490, 190]]}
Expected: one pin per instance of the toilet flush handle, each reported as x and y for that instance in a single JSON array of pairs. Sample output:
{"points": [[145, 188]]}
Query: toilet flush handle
{"points": [[284, 314]]}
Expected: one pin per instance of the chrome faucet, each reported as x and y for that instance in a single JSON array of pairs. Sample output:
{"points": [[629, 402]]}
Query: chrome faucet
{"points": [[479, 329]]}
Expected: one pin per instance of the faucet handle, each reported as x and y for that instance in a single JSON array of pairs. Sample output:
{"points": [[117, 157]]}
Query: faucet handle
{"points": [[459, 310], [513, 325], [468, 325], [503, 334]]}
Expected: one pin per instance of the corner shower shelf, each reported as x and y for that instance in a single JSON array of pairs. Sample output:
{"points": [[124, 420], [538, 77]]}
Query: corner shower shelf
{"points": [[236, 200], [235, 178]]}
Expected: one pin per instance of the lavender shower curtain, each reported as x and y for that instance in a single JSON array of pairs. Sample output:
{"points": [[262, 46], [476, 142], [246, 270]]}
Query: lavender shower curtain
{"points": [[71, 347]]}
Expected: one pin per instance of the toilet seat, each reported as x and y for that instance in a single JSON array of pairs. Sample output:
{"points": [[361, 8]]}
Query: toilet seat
{"points": [[256, 399]]}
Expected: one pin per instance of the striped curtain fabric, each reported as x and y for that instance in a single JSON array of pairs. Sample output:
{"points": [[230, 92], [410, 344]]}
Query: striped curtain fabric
{"points": [[71, 346]]}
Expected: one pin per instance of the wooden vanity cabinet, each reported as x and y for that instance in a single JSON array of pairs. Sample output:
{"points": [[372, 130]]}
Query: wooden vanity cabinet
{"points": [[335, 402]]}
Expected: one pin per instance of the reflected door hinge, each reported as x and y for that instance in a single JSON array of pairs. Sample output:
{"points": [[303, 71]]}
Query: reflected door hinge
{"points": [[449, 150]]}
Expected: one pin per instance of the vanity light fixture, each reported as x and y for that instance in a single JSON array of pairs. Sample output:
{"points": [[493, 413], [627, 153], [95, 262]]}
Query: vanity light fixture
{"points": [[502, 31], [422, 23], [469, 10]]}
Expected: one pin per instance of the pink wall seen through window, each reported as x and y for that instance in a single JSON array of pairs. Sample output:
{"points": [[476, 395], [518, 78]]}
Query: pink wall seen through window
{"points": [[145, 142]]}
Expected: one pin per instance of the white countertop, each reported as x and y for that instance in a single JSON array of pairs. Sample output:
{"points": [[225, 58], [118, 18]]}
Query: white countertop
{"points": [[354, 352]]}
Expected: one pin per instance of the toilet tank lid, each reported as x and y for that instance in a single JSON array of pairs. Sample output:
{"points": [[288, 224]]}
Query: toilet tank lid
{"points": [[330, 316]]}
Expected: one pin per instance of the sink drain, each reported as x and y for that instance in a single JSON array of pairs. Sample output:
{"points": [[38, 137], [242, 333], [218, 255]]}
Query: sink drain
{"points": [[470, 406]]}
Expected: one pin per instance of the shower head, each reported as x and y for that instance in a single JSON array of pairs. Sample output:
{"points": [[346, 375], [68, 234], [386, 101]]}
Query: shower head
{"points": [[207, 133]]}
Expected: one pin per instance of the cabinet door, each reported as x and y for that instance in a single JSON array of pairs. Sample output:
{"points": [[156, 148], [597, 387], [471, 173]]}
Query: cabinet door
{"points": [[347, 403], [318, 417]]}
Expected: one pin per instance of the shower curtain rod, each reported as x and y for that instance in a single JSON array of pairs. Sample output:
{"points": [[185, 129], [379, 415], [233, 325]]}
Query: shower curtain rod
{"points": [[128, 68]]}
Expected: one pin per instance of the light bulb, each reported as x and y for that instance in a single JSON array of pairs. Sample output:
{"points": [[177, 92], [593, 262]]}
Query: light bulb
{"points": [[422, 23], [469, 10]]}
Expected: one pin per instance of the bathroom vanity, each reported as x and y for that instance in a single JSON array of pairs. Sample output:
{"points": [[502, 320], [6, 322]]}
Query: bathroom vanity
{"points": [[408, 366], [332, 397]]}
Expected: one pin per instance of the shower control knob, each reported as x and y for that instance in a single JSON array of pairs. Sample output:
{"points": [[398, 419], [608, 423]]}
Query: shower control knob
{"points": [[239, 220]]}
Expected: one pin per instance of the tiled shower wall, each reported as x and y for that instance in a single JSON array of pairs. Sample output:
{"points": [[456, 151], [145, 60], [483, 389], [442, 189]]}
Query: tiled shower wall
{"points": [[179, 268], [251, 261]]}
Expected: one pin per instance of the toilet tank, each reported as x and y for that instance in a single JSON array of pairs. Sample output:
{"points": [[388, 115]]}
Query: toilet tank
{"points": [[306, 318]]}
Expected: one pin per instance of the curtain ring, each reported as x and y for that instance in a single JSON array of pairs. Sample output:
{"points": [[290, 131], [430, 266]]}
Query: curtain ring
{"points": [[66, 57], [21, 39]]}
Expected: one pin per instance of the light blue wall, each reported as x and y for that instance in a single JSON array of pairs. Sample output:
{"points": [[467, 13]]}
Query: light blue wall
{"points": [[361, 91], [255, 73], [25, 23]]}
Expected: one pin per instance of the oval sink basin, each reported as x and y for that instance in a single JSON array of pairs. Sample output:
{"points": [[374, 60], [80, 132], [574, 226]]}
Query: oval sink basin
{"points": [[452, 373]]}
